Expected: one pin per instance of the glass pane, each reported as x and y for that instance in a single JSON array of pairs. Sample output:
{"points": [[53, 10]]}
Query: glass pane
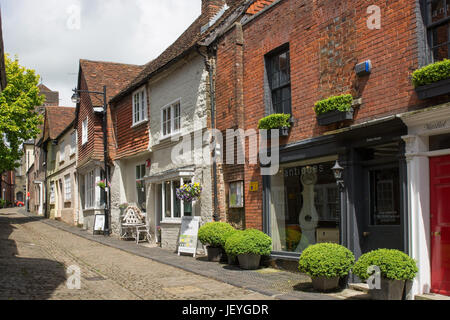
{"points": [[441, 53], [167, 201], [385, 197], [440, 35], [305, 207], [275, 80], [437, 10], [176, 201], [141, 195], [284, 68]]}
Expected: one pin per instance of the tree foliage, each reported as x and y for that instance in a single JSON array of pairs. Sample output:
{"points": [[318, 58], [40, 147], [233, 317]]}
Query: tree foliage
{"points": [[19, 120]]}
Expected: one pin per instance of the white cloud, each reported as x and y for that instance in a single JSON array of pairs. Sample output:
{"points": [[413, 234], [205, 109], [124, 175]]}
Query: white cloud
{"points": [[127, 31]]}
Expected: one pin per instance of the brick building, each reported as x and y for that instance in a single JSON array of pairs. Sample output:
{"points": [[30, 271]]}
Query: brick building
{"points": [[286, 57], [93, 76]]}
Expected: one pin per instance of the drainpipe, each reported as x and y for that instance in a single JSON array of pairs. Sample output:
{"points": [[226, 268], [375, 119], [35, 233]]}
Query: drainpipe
{"points": [[105, 156], [209, 68]]}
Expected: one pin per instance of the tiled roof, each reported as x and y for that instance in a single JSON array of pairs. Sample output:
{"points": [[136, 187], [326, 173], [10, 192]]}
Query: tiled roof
{"points": [[115, 76], [58, 119], [187, 41]]}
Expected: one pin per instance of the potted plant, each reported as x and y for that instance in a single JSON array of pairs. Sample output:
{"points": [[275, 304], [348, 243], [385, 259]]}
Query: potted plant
{"points": [[214, 235], [334, 109], [396, 268], [326, 264], [231, 259], [432, 80], [189, 192], [279, 121], [249, 246], [102, 184]]}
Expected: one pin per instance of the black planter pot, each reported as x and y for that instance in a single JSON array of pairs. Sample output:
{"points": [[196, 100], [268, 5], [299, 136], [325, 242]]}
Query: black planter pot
{"points": [[432, 90], [334, 117], [232, 260], [214, 253], [249, 261]]}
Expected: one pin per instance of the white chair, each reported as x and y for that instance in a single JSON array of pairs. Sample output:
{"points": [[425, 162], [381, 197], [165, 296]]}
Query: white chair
{"points": [[134, 222]]}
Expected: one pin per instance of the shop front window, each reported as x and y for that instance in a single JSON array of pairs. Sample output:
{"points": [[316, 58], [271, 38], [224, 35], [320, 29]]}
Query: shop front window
{"points": [[140, 187], [174, 208], [305, 207]]}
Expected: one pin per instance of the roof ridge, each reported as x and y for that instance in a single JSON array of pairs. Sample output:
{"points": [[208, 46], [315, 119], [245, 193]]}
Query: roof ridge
{"points": [[111, 62]]}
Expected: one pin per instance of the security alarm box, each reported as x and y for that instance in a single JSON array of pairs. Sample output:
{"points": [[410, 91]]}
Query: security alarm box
{"points": [[327, 235], [363, 68]]}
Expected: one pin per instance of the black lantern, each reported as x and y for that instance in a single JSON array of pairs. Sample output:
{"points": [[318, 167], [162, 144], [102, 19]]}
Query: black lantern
{"points": [[76, 97], [338, 170]]}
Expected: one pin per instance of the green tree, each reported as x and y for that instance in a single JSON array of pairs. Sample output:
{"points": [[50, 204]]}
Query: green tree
{"points": [[19, 120]]}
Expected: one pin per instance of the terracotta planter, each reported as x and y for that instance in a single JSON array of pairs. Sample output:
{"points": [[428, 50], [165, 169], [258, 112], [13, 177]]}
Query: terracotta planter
{"points": [[324, 284], [214, 253], [249, 261], [432, 90], [390, 290], [334, 117]]}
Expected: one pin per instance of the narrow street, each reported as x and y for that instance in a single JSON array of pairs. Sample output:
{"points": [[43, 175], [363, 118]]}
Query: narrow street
{"points": [[34, 258]]}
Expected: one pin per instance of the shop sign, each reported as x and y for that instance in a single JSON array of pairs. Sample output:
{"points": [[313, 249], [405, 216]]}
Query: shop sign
{"points": [[188, 235], [254, 186]]}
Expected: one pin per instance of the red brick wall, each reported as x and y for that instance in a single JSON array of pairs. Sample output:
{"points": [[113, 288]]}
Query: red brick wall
{"points": [[326, 39], [129, 141]]}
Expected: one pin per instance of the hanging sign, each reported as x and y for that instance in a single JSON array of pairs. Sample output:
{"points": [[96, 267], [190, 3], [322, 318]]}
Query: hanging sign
{"points": [[188, 235]]}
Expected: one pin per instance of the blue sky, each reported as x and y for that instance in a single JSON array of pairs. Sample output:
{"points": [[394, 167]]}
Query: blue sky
{"points": [[47, 36]]}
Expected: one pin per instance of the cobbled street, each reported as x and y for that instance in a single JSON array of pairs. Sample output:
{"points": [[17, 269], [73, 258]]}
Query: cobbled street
{"points": [[34, 258]]}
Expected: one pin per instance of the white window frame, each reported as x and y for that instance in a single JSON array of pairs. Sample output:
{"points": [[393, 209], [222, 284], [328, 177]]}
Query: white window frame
{"points": [[67, 188], [62, 151], [172, 219], [172, 120], [52, 192], [239, 196], [89, 195], [84, 131], [73, 143], [139, 110]]}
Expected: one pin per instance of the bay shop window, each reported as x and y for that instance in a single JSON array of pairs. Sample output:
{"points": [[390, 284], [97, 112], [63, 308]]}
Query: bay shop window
{"points": [[304, 206], [171, 207], [92, 196]]}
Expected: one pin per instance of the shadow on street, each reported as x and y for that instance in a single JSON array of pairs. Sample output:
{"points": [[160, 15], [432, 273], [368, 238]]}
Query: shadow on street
{"points": [[25, 278]]}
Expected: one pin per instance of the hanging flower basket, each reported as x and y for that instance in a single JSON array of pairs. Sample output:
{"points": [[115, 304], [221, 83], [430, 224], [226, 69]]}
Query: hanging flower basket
{"points": [[102, 184], [189, 192]]}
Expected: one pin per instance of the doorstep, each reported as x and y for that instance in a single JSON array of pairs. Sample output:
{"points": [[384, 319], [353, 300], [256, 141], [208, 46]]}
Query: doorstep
{"points": [[363, 287], [431, 296]]}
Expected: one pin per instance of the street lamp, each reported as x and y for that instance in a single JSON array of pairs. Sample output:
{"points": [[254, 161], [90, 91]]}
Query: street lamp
{"points": [[76, 99], [338, 170]]}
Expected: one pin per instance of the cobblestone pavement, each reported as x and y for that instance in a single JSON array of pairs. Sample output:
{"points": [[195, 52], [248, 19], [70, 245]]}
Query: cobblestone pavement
{"points": [[34, 257]]}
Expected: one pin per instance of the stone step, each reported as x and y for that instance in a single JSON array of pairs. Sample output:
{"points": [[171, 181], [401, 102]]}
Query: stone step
{"points": [[364, 287], [432, 296]]}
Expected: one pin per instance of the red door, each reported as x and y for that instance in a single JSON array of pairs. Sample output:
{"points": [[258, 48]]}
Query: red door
{"points": [[440, 224]]}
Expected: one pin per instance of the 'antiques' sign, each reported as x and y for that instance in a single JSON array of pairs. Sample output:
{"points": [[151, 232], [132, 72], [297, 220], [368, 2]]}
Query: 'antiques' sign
{"points": [[188, 235]]}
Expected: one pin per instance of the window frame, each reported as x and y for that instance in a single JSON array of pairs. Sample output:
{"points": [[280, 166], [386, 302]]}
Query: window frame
{"points": [[89, 195], [239, 184], [84, 131], [172, 219], [432, 26], [73, 143], [269, 59], [62, 151], [141, 115], [172, 120], [67, 188], [141, 179]]}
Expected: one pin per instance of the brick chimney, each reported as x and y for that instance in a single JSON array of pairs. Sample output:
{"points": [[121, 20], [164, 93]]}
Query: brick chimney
{"points": [[210, 8]]}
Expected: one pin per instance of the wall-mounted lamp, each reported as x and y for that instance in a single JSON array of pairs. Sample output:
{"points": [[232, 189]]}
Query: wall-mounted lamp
{"points": [[338, 170]]}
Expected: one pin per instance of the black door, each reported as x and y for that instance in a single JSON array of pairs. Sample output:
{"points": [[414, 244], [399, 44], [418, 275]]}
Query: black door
{"points": [[383, 204]]}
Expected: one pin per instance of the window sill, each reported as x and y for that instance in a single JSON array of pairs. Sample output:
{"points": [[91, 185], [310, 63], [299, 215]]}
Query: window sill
{"points": [[138, 124], [170, 136], [172, 221]]}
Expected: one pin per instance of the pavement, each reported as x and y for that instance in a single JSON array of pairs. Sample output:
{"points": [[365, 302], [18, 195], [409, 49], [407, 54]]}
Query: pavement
{"points": [[117, 269]]}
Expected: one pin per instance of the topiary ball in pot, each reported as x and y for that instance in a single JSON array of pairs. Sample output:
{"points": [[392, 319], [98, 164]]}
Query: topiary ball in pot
{"points": [[249, 246], [326, 263], [214, 235], [396, 269]]}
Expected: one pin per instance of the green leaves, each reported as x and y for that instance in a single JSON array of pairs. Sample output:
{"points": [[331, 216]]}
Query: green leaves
{"points": [[341, 103], [248, 241], [18, 119], [326, 260], [432, 73], [215, 233], [275, 121], [394, 265]]}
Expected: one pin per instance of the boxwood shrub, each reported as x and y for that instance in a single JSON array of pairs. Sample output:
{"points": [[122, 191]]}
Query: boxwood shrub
{"points": [[326, 260], [250, 241], [394, 265], [432, 73], [215, 233], [342, 103], [275, 121]]}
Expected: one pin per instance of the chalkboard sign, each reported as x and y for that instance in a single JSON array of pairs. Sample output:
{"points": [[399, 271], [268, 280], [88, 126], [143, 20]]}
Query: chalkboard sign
{"points": [[188, 235], [99, 223]]}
